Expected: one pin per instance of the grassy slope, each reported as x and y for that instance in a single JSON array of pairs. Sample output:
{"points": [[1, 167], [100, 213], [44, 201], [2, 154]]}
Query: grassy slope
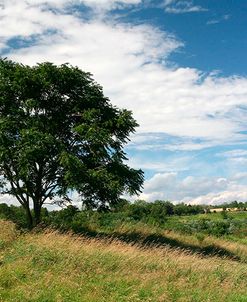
{"points": [[55, 267]]}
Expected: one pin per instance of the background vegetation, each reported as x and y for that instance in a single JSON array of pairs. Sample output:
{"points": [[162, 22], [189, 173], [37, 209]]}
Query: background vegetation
{"points": [[126, 216]]}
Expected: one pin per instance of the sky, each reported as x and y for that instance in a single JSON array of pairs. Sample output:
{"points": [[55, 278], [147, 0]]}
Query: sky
{"points": [[179, 65]]}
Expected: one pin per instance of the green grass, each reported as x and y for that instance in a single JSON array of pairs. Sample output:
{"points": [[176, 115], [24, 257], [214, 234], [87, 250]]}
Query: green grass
{"points": [[233, 227], [211, 216], [48, 266], [218, 216]]}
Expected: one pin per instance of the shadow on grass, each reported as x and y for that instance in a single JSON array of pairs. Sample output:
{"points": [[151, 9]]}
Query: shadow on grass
{"points": [[158, 240]]}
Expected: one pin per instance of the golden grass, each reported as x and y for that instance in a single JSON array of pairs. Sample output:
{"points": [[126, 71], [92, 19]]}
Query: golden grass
{"points": [[50, 266], [8, 232], [235, 248], [75, 244]]}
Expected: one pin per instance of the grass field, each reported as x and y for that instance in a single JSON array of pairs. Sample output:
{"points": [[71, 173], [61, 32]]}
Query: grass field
{"points": [[48, 266]]}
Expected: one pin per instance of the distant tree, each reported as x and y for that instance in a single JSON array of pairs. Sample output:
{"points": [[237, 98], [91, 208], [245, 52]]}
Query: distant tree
{"points": [[139, 209], [164, 207], [234, 204], [121, 206], [181, 209], [64, 217], [58, 133], [169, 208], [5, 211]]}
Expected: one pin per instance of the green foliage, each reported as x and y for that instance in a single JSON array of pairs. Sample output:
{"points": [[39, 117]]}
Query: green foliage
{"points": [[224, 214], [160, 214], [62, 218], [18, 215], [215, 227], [58, 132], [183, 209], [156, 214]]}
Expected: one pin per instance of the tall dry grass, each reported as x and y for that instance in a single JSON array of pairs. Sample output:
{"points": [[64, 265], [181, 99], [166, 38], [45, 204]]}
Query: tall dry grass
{"points": [[235, 248], [50, 266], [8, 232]]}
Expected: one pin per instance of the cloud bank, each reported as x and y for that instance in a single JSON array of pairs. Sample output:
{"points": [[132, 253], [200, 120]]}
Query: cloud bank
{"points": [[193, 190]]}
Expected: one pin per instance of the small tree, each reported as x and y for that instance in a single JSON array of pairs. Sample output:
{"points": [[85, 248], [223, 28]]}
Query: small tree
{"points": [[58, 133]]}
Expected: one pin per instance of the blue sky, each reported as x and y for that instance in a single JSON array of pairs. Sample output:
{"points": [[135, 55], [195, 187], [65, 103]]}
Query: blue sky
{"points": [[214, 37], [178, 65]]}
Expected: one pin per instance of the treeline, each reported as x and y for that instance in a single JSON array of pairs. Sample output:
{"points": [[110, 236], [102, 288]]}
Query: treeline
{"points": [[232, 205], [140, 210], [125, 213], [154, 213], [129, 215]]}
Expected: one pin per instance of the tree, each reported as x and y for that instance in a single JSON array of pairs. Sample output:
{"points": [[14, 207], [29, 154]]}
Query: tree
{"points": [[59, 133]]}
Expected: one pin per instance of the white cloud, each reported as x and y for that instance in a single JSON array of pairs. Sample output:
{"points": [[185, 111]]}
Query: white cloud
{"points": [[218, 20], [237, 157], [181, 7], [110, 4], [159, 180], [65, 3], [176, 164], [177, 189], [240, 176], [193, 190], [8, 199], [233, 153], [221, 197], [161, 141]]}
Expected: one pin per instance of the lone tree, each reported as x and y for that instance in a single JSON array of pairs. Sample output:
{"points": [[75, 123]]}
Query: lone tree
{"points": [[58, 133]]}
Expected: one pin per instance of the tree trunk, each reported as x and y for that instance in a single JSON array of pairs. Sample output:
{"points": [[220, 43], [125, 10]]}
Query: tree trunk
{"points": [[37, 212], [29, 217]]}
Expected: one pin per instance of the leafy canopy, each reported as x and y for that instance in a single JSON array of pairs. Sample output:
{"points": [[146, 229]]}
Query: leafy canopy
{"points": [[58, 132]]}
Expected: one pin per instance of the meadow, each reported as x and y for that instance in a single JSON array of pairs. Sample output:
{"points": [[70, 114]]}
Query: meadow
{"points": [[131, 264]]}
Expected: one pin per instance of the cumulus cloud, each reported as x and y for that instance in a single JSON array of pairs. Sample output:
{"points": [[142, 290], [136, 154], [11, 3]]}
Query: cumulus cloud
{"points": [[193, 190], [170, 186], [220, 198]]}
